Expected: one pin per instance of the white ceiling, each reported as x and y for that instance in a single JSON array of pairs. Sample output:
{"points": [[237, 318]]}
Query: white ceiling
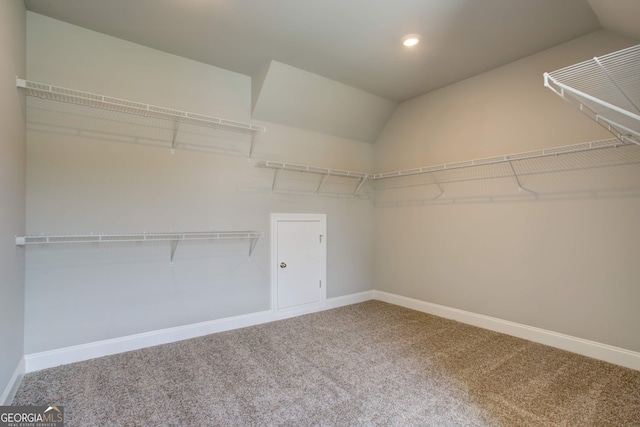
{"points": [[354, 42]]}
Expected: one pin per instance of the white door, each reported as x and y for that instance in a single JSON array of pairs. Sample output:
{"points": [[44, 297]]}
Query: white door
{"points": [[299, 260]]}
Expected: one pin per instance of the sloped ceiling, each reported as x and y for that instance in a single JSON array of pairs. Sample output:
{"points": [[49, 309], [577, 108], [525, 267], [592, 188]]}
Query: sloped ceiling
{"points": [[619, 16], [354, 43], [305, 100]]}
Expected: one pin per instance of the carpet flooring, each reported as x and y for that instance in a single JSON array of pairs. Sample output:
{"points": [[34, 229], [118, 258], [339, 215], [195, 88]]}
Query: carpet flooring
{"points": [[368, 364]]}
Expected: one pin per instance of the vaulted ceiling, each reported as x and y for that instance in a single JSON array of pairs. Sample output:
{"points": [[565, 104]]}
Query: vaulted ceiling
{"points": [[354, 42]]}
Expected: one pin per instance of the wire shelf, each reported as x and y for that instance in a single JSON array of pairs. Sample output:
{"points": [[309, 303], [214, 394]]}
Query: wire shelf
{"points": [[546, 152], [605, 88], [510, 172], [311, 169], [92, 100], [174, 237], [327, 172]]}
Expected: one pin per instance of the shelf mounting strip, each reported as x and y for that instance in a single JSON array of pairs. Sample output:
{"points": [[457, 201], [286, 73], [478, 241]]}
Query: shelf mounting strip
{"points": [[606, 89], [72, 96], [173, 237]]}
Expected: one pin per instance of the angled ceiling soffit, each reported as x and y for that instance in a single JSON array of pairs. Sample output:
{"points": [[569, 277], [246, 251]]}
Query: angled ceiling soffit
{"points": [[293, 97]]}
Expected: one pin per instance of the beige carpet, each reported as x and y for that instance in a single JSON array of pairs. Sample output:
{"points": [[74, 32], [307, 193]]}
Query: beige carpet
{"points": [[369, 364]]}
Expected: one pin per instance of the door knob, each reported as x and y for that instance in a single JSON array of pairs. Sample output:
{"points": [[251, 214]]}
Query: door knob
{"points": [[283, 265]]}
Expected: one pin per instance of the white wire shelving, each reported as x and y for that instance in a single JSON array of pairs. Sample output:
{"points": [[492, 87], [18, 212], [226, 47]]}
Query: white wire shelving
{"points": [[433, 171], [594, 169], [507, 158], [174, 237], [359, 177], [606, 89], [92, 100]]}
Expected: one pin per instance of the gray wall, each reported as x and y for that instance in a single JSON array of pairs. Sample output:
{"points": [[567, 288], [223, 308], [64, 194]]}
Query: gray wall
{"points": [[12, 186], [567, 261], [117, 174], [563, 262]]}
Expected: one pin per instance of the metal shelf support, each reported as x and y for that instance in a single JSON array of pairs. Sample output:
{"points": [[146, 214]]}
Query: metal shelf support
{"points": [[252, 244], [174, 246], [275, 179], [520, 186], [360, 184], [324, 179], [439, 186], [253, 139], [175, 135]]}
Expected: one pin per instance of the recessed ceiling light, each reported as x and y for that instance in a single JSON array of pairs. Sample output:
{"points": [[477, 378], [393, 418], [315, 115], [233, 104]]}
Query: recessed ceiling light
{"points": [[411, 40]]}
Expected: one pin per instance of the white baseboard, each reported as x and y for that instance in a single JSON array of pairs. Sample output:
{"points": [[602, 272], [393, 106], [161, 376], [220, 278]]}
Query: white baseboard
{"points": [[596, 350], [14, 382], [328, 304], [349, 299], [78, 353]]}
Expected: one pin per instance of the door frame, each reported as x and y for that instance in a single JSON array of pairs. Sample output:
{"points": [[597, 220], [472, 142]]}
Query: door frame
{"points": [[275, 218]]}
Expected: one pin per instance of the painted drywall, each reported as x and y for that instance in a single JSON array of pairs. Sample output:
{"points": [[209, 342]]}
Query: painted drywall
{"points": [[619, 16], [91, 172], [565, 262], [336, 109], [257, 81], [12, 187]]}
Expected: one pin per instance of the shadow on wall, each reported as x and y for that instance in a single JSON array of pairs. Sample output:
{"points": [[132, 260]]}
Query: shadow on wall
{"points": [[607, 172]]}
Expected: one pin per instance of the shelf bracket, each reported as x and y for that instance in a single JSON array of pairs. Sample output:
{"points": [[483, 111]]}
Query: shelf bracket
{"points": [[322, 183], [253, 138], [275, 179], [520, 187], [252, 244], [439, 186], [616, 129], [175, 135], [174, 246], [360, 183]]}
